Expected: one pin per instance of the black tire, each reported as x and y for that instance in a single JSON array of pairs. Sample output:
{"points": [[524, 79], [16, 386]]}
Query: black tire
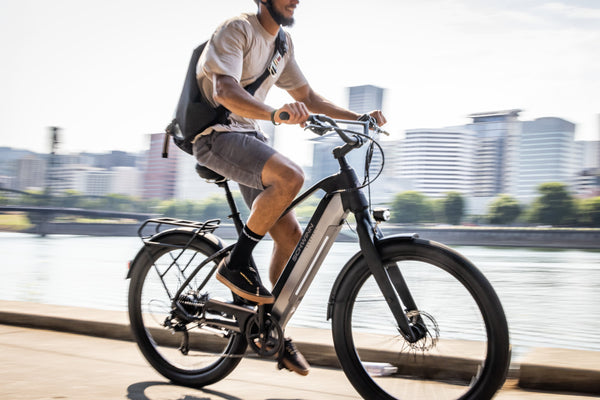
{"points": [[471, 356], [211, 357]]}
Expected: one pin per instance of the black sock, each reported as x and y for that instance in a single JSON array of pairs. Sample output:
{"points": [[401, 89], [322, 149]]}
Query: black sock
{"points": [[243, 248]]}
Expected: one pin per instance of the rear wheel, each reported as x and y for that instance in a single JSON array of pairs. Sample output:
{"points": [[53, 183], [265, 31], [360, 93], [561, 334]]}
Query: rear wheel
{"points": [[464, 350], [184, 351]]}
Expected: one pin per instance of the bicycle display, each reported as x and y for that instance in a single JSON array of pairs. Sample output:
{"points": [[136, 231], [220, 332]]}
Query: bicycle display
{"points": [[394, 335]]}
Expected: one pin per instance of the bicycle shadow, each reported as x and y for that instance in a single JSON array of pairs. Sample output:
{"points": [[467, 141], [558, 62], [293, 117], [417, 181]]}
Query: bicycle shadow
{"points": [[137, 391]]}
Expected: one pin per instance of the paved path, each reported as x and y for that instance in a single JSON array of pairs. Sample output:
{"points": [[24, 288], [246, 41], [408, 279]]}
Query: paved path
{"points": [[42, 364]]}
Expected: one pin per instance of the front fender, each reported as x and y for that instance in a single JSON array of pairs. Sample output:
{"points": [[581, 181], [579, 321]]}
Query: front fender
{"points": [[208, 238], [357, 258]]}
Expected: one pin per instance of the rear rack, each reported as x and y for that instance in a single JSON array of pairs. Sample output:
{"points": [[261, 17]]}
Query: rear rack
{"points": [[156, 223]]}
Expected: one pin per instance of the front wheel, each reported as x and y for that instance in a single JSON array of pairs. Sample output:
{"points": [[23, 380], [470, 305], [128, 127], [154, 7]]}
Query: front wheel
{"points": [[463, 351]]}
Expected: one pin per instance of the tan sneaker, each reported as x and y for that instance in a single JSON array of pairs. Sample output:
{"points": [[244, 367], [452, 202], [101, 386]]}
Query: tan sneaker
{"points": [[292, 359], [245, 282]]}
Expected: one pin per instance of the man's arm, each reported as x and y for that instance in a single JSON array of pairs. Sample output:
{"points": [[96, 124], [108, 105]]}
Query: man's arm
{"points": [[320, 105], [229, 93]]}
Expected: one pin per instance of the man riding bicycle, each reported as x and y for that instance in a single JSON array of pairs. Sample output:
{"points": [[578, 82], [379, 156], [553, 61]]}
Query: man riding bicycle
{"points": [[236, 55]]}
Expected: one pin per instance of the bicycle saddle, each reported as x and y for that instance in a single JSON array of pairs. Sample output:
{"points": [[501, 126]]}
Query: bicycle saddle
{"points": [[208, 174]]}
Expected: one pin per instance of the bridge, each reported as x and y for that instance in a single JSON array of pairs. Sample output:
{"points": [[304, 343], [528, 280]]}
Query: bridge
{"points": [[41, 216], [81, 212], [41, 219]]}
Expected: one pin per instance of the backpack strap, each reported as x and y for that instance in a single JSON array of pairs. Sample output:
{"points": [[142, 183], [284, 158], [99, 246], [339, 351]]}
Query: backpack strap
{"points": [[281, 49]]}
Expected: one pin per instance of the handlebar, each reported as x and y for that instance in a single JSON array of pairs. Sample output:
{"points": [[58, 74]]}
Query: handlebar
{"points": [[322, 124]]}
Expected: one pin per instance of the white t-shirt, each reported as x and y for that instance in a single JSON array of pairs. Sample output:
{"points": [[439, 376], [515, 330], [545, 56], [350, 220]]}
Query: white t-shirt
{"points": [[242, 48]]}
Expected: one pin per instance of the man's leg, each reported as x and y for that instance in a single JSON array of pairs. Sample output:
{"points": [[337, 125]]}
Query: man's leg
{"points": [[283, 180]]}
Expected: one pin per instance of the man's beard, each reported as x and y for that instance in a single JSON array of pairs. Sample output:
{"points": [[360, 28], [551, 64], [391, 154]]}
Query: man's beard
{"points": [[276, 15]]}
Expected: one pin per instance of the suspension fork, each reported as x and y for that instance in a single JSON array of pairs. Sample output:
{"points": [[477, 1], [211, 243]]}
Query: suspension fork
{"points": [[388, 278]]}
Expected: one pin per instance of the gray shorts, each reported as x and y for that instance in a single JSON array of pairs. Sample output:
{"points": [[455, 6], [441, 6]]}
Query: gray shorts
{"points": [[239, 156]]}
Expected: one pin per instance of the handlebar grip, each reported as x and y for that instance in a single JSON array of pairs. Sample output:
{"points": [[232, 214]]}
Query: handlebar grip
{"points": [[284, 116]]}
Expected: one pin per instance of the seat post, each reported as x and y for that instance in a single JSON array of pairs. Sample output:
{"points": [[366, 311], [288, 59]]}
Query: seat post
{"points": [[235, 213]]}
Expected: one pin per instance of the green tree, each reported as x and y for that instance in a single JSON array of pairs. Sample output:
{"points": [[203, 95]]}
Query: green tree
{"points": [[504, 210], [91, 203], [555, 206], [147, 206], [119, 202], [70, 199], [34, 198], [589, 212], [168, 208], [411, 207], [437, 210], [214, 207], [181, 209], [454, 207]]}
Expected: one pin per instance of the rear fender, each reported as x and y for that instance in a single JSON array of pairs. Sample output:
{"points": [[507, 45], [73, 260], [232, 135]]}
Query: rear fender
{"points": [[208, 238]]}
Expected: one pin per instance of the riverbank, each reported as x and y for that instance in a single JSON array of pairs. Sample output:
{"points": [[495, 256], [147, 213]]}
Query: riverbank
{"points": [[574, 238], [542, 369]]}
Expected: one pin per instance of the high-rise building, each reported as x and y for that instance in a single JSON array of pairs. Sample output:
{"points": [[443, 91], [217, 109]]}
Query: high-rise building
{"points": [[496, 152], [98, 182], [587, 182], [115, 158], [160, 174], [365, 98], [30, 173], [71, 177], [591, 154], [126, 181], [436, 161], [547, 153]]}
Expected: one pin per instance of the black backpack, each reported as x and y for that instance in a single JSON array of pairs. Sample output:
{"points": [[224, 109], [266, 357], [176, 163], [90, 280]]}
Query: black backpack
{"points": [[194, 113]]}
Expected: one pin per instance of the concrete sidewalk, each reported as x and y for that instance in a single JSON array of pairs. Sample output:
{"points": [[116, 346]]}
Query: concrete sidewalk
{"points": [[43, 363]]}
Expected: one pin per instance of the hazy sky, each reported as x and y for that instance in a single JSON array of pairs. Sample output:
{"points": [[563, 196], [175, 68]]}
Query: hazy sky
{"points": [[108, 72]]}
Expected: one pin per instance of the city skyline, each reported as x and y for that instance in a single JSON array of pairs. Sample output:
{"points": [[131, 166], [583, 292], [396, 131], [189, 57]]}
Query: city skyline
{"points": [[110, 73], [497, 153]]}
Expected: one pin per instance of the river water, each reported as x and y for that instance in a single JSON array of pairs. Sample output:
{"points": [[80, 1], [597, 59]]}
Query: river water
{"points": [[550, 296]]}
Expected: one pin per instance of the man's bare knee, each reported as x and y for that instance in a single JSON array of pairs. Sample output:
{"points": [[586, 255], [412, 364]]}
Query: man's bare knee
{"points": [[293, 179], [283, 174]]}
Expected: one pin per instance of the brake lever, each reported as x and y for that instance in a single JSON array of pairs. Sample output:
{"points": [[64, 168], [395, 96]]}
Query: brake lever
{"points": [[318, 129], [379, 130], [373, 124]]}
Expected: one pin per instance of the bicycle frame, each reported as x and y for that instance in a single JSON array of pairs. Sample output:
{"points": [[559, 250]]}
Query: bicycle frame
{"points": [[342, 197]]}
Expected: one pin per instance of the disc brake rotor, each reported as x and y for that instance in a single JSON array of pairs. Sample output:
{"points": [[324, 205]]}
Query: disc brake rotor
{"points": [[428, 324]]}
